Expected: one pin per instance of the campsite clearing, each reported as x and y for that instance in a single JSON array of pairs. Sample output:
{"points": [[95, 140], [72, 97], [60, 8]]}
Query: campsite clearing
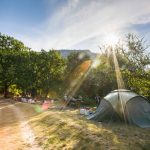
{"points": [[66, 129]]}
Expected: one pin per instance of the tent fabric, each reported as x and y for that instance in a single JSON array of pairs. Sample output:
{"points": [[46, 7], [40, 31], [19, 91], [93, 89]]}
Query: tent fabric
{"points": [[126, 105], [118, 100], [138, 112], [103, 113]]}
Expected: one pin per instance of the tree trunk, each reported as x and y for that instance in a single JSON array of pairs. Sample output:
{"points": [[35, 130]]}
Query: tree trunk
{"points": [[33, 92], [6, 91], [46, 93]]}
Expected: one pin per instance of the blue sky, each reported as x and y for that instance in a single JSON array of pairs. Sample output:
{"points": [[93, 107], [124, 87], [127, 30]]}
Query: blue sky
{"points": [[73, 24]]}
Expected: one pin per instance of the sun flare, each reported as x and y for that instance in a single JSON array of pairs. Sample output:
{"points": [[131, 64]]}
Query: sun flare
{"points": [[111, 39]]}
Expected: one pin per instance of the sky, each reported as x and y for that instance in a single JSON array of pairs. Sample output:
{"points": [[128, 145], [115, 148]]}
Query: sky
{"points": [[73, 24]]}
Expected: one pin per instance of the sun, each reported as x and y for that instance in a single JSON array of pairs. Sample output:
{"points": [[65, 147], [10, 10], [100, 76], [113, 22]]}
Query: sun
{"points": [[111, 39]]}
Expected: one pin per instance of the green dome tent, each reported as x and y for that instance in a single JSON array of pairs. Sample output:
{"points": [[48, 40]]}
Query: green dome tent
{"points": [[124, 105]]}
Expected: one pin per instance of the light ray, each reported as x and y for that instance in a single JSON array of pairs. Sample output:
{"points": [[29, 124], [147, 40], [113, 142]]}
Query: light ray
{"points": [[79, 74], [120, 81], [120, 84]]}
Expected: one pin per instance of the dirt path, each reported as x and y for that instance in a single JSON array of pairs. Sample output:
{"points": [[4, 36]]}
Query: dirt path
{"points": [[15, 132]]}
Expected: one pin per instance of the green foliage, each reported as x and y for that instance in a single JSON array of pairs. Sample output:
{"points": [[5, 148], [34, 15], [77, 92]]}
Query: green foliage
{"points": [[100, 80], [9, 51], [8, 43], [41, 73], [132, 60], [135, 73], [30, 71], [13, 89], [50, 70], [75, 59]]}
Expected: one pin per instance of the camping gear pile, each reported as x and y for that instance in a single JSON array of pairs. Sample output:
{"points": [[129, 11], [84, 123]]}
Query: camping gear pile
{"points": [[86, 111], [27, 100]]}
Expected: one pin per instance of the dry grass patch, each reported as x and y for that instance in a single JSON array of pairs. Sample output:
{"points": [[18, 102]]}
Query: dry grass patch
{"points": [[67, 129]]}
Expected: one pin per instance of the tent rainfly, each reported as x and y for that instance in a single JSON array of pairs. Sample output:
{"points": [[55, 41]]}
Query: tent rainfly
{"points": [[124, 105]]}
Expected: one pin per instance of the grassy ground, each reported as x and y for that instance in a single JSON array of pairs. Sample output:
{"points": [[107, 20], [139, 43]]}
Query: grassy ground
{"points": [[67, 129], [57, 129]]}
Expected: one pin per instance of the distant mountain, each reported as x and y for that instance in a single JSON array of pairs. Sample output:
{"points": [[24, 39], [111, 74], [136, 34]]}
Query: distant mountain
{"points": [[66, 53]]}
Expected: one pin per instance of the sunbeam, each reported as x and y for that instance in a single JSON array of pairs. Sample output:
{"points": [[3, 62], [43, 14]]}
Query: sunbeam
{"points": [[80, 73], [120, 84], [77, 77], [119, 78]]}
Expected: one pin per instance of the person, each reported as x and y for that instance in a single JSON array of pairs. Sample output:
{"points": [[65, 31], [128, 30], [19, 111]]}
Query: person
{"points": [[65, 98], [80, 98], [98, 99]]}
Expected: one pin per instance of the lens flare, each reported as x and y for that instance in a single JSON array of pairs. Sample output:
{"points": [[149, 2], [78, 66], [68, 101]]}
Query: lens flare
{"points": [[77, 76], [111, 39]]}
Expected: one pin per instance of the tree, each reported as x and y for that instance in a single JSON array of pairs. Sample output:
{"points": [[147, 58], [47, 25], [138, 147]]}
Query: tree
{"points": [[77, 66], [9, 49], [50, 70], [135, 73], [75, 59], [100, 79], [27, 72]]}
